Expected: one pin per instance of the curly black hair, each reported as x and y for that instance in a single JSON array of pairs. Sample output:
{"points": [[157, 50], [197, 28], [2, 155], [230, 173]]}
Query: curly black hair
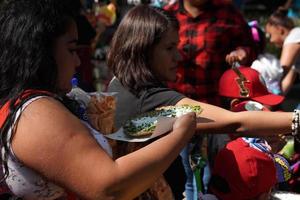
{"points": [[28, 30]]}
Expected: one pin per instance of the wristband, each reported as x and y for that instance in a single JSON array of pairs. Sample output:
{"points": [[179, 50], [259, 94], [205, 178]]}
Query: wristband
{"points": [[295, 124]]}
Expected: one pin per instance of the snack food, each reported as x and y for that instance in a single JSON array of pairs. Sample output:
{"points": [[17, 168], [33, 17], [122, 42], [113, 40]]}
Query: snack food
{"points": [[144, 124], [101, 113]]}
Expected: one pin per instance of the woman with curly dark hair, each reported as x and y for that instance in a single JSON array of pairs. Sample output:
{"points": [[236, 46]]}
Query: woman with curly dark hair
{"points": [[47, 152]]}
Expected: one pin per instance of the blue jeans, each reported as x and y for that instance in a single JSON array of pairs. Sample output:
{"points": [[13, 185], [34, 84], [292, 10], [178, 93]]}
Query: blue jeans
{"points": [[190, 185], [206, 177]]}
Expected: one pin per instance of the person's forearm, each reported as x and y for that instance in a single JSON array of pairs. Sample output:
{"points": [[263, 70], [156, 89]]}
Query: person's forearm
{"points": [[254, 123], [259, 123], [214, 119], [288, 80]]}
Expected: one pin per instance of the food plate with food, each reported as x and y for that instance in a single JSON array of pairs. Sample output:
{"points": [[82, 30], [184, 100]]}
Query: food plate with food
{"points": [[152, 124]]}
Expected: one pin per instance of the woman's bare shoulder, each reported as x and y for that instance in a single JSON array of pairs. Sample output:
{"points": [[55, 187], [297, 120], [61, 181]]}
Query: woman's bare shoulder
{"points": [[46, 122], [46, 112]]}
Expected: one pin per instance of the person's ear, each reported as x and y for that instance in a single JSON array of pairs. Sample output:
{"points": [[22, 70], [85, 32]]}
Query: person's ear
{"points": [[282, 30]]}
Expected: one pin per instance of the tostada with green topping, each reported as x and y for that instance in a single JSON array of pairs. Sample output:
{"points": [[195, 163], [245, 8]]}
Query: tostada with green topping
{"points": [[143, 125]]}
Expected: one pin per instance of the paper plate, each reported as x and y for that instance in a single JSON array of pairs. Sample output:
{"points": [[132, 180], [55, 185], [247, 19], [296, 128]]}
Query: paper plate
{"points": [[163, 126], [152, 124]]}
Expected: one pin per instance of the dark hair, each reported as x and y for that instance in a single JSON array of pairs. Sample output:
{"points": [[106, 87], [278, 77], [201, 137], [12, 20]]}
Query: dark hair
{"points": [[28, 30], [261, 44], [73, 6], [259, 37], [141, 28], [280, 18]]}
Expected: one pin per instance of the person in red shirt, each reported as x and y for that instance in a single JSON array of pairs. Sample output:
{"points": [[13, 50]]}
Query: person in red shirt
{"points": [[212, 35]]}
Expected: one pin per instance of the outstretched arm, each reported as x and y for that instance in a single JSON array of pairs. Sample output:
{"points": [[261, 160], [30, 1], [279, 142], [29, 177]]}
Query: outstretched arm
{"points": [[252, 123], [53, 142]]}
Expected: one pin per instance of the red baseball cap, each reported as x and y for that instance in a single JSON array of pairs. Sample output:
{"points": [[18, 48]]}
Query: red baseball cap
{"points": [[229, 87], [247, 171]]}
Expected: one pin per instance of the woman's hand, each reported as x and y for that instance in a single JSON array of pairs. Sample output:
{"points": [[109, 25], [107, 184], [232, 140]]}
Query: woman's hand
{"points": [[239, 55], [186, 123]]}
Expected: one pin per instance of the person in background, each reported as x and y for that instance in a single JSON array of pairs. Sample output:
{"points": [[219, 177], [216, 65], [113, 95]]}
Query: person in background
{"points": [[212, 34], [283, 34], [266, 64], [144, 57], [47, 151]]}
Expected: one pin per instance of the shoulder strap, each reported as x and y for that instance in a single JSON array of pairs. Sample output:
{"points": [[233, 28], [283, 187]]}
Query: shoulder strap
{"points": [[4, 114], [26, 95]]}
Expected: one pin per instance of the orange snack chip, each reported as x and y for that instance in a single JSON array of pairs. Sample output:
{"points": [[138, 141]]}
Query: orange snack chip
{"points": [[101, 113]]}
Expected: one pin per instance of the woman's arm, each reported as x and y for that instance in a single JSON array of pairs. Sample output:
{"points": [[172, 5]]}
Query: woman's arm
{"points": [[288, 80], [289, 54], [252, 123], [53, 142]]}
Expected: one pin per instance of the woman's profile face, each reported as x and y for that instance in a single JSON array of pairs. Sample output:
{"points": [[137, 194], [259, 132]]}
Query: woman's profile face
{"points": [[66, 57], [275, 35], [165, 56]]}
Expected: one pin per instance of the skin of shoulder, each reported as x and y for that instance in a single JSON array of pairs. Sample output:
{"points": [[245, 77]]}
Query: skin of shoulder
{"points": [[52, 141]]}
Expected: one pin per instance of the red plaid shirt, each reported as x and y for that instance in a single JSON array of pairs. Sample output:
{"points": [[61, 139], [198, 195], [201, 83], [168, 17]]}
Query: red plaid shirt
{"points": [[204, 43]]}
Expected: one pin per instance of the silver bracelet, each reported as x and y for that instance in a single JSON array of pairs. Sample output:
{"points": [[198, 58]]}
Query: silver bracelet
{"points": [[296, 123]]}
